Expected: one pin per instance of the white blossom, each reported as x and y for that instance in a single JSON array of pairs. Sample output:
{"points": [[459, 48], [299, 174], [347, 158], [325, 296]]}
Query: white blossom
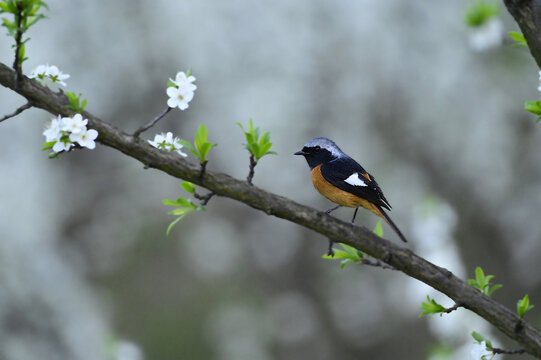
{"points": [[179, 97], [479, 352], [182, 80], [68, 131], [85, 138], [168, 143], [539, 88], [62, 145], [487, 35], [49, 75], [52, 130], [75, 124]]}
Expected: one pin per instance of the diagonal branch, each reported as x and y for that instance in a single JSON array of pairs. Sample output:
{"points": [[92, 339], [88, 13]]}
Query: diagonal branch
{"points": [[360, 238], [17, 112], [151, 123], [527, 14]]}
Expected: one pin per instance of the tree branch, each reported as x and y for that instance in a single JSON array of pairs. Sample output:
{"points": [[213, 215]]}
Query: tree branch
{"points": [[359, 237], [151, 123], [527, 14], [17, 112]]}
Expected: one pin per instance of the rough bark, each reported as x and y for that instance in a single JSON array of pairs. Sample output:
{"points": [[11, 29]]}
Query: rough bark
{"points": [[527, 14]]}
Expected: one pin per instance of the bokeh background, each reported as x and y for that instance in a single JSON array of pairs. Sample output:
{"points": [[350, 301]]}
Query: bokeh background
{"points": [[86, 271]]}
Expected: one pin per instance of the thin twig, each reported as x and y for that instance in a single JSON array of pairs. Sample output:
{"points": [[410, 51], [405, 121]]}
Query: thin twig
{"points": [[253, 163], [152, 123], [452, 308], [18, 42], [17, 112], [204, 198], [508, 352]]}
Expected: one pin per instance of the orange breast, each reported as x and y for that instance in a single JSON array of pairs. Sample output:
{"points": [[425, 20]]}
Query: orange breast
{"points": [[339, 196]]}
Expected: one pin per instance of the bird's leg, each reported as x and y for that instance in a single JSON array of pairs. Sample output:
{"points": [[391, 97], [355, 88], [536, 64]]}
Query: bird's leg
{"points": [[354, 214], [330, 251], [332, 209]]}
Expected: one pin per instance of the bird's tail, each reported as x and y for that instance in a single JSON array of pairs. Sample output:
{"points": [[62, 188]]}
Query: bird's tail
{"points": [[384, 215]]}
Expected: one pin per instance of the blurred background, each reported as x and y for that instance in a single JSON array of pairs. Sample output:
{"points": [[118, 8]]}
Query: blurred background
{"points": [[432, 108]]}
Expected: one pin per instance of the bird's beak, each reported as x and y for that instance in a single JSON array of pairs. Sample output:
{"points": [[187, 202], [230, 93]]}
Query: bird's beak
{"points": [[300, 153]]}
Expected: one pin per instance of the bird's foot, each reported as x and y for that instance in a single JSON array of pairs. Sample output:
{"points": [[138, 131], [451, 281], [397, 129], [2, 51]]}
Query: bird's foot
{"points": [[328, 211]]}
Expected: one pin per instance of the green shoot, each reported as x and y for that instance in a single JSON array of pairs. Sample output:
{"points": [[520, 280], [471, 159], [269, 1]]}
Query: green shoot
{"points": [[75, 102], [431, 307], [534, 107], [482, 282], [523, 306], [201, 146], [257, 145], [519, 38], [480, 12]]}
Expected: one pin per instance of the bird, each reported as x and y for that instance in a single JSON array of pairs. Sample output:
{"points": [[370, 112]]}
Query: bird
{"points": [[343, 181]]}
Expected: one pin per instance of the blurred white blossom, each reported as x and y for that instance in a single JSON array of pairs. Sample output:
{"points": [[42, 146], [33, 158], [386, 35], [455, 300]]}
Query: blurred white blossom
{"points": [[183, 80], [62, 145], [48, 75], [539, 88], [479, 352], [487, 35], [52, 130], [168, 143], [126, 350]]}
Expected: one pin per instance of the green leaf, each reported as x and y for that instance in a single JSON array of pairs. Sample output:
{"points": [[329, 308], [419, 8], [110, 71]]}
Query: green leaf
{"points": [[189, 146], [181, 201], [480, 338], [48, 145], [188, 186], [431, 307], [181, 211], [523, 306], [533, 106], [173, 223], [482, 282], [338, 254], [480, 12], [378, 230], [204, 150], [200, 136], [343, 263], [519, 38], [494, 288]]}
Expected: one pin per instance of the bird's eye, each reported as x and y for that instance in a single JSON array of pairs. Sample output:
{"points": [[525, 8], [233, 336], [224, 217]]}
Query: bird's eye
{"points": [[317, 148]]}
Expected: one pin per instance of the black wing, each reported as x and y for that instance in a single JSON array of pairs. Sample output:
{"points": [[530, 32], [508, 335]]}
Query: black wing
{"points": [[337, 171]]}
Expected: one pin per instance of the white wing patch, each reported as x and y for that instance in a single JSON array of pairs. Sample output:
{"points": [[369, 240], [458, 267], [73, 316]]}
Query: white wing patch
{"points": [[355, 180]]}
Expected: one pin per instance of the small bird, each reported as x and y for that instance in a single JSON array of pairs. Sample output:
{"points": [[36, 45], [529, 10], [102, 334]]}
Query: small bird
{"points": [[343, 181]]}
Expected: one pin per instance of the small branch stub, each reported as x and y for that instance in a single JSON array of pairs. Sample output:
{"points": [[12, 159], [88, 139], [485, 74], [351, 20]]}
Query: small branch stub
{"points": [[508, 352], [204, 198], [253, 163], [152, 123]]}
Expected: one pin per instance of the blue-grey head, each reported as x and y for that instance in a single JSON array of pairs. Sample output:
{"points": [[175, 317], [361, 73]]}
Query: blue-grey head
{"points": [[320, 150]]}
